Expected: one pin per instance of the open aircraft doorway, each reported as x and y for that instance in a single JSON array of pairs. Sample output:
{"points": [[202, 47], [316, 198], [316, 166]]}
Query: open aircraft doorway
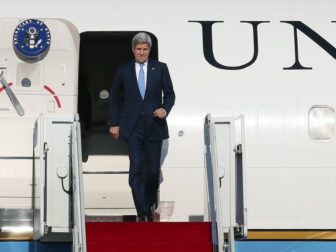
{"points": [[105, 161]]}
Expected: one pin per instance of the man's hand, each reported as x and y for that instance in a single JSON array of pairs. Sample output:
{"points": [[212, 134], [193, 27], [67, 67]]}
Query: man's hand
{"points": [[114, 131], [160, 112]]}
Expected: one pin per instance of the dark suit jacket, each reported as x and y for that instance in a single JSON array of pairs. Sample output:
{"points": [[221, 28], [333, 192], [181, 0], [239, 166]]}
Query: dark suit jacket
{"points": [[126, 105]]}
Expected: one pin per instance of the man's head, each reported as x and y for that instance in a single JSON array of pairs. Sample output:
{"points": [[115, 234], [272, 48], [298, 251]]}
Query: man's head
{"points": [[141, 45]]}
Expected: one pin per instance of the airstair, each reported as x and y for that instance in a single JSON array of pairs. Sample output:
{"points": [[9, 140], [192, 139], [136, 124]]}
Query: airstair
{"points": [[224, 160], [58, 211]]}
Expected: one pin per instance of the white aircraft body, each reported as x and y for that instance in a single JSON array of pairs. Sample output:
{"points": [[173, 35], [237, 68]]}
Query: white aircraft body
{"points": [[271, 61]]}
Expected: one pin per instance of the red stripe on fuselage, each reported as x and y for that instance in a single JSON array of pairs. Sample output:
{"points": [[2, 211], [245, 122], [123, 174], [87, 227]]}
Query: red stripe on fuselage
{"points": [[3, 88], [53, 93]]}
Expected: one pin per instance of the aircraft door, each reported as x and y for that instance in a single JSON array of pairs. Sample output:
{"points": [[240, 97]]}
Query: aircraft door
{"points": [[38, 94], [105, 161]]}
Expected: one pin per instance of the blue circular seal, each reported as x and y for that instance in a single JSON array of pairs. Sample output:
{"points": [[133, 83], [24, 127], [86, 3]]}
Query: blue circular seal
{"points": [[31, 40]]}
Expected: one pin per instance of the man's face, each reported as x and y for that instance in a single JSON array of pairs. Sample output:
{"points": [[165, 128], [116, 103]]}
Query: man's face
{"points": [[141, 52]]}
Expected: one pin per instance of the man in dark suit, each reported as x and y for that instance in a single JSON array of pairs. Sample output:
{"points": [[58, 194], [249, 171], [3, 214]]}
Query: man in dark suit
{"points": [[141, 97]]}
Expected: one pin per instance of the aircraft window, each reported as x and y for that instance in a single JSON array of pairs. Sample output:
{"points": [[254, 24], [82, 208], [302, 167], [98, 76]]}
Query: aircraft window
{"points": [[321, 122]]}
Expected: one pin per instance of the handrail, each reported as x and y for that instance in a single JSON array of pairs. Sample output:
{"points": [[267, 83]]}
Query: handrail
{"points": [[18, 157], [79, 233], [38, 158], [16, 104], [105, 172], [224, 160]]}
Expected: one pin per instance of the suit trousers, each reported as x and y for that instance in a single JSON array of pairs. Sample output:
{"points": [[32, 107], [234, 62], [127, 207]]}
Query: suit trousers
{"points": [[144, 170]]}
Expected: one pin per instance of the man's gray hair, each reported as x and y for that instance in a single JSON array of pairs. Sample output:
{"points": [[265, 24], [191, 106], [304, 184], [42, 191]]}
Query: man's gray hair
{"points": [[141, 38]]}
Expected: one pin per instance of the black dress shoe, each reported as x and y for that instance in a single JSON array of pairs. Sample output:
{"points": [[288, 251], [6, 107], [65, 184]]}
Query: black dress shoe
{"points": [[149, 217], [142, 218]]}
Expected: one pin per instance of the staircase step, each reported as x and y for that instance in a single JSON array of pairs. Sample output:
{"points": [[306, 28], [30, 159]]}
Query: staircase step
{"points": [[150, 247], [144, 232]]}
